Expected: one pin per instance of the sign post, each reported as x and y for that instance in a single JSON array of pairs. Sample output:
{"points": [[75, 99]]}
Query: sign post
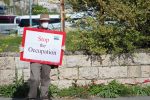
{"points": [[62, 15]]}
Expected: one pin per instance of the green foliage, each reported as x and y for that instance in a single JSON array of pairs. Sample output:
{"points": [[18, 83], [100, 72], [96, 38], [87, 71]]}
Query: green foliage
{"points": [[9, 43], [37, 9], [7, 90], [72, 41], [53, 90], [7, 2], [95, 89], [74, 92], [112, 90], [147, 90], [139, 91], [105, 39], [18, 89], [130, 31]]}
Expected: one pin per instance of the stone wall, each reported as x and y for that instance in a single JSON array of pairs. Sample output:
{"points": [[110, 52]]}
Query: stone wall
{"points": [[83, 69]]}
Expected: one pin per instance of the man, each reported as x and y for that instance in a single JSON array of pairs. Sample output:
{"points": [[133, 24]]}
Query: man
{"points": [[39, 73]]}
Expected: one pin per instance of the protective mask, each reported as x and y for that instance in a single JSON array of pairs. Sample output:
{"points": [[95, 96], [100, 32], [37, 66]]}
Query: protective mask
{"points": [[44, 24]]}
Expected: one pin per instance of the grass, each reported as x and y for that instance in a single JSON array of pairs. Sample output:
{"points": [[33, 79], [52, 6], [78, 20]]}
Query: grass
{"points": [[9, 43]]}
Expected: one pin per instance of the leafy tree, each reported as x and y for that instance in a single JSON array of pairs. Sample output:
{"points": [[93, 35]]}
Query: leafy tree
{"points": [[131, 11], [37, 9], [131, 30], [7, 2]]}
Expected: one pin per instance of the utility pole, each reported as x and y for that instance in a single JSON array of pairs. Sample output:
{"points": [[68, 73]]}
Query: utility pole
{"points": [[14, 9], [21, 7], [62, 8], [30, 12]]}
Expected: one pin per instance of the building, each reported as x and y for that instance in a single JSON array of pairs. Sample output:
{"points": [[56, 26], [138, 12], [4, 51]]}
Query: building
{"points": [[22, 6], [2, 8], [52, 5], [16, 7], [2, 3]]}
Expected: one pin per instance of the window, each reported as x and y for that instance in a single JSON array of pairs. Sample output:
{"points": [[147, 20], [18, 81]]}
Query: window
{"points": [[2, 10], [54, 20], [7, 19], [26, 22]]}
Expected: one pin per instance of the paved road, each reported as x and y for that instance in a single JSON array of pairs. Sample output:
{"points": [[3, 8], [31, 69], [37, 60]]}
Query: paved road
{"points": [[94, 98]]}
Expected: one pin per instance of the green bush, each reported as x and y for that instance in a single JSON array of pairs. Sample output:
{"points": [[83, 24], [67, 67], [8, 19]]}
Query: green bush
{"points": [[17, 90], [53, 90], [72, 41], [139, 91], [147, 90], [74, 92], [37, 9], [114, 89], [107, 38], [95, 89]]}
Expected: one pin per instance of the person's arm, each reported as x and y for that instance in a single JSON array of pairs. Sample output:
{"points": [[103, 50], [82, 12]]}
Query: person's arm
{"points": [[63, 47], [21, 49]]}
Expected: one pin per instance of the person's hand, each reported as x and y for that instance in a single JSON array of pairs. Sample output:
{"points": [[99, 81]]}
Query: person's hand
{"points": [[21, 49], [63, 48]]}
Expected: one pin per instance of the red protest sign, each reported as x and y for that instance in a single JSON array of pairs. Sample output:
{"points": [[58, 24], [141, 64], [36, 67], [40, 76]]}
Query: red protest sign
{"points": [[42, 46]]}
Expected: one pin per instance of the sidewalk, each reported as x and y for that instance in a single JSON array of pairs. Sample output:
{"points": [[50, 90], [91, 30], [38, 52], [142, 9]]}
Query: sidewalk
{"points": [[94, 98]]}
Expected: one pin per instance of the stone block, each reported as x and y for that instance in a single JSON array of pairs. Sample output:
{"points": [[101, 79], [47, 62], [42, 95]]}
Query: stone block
{"points": [[7, 76], [7, 63], [26, 73], [21, 64], [64, 61], [104, 60], [112, 72], [125, 60], [127, 81], [20, 73], [78, 60], [134, 81], [54, 75], [134, 71], [62, 83], [88, 73], [143, 80], [68, 73], [102, 81], [83, 82], [145, 71], [142, 58]]}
